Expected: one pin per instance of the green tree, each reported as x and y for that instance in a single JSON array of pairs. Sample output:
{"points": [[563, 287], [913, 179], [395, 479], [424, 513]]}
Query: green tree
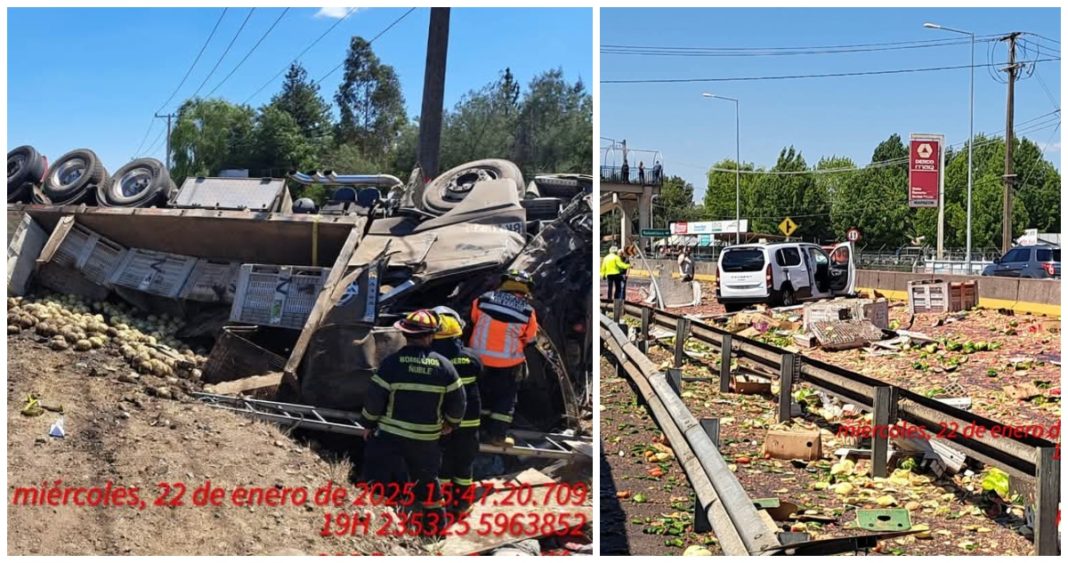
{"points": [[482, 124], [210, 135], [555, 126], [369, 102], [789, 191], [300, 98], [719, 200], [280, 145], [873, 199], [675, 202]]}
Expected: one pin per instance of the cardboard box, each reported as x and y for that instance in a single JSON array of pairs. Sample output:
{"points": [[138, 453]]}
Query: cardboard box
{"points": [[793, 444]]}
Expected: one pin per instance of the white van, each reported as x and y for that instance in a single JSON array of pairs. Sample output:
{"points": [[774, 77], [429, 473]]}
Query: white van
{"points": [[782, 274]]}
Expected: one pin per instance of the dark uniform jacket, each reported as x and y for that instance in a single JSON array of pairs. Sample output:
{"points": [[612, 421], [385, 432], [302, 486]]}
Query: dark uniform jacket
{"points": [[411, 392], [469, 368]]}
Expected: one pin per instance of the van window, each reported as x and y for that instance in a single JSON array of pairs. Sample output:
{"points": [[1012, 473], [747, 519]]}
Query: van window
{"points": [[1017, 255], [1045, 255], [743, 260], [787, 257]]}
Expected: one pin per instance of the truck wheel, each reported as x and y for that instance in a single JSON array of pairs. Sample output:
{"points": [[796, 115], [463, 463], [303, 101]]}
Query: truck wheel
{"points": [[74, 177], [451, 187], [144, 182], [25, 169]]}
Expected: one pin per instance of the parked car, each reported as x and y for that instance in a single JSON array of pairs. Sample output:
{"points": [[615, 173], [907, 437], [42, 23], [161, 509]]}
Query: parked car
{"points": [[782, 274], [1040, 262]]}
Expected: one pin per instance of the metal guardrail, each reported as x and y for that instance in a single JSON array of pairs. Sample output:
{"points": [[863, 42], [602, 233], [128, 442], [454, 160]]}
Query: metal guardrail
{"points": [[615, 174], [1035, 460]]}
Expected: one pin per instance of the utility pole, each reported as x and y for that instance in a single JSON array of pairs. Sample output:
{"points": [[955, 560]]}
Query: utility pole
{"points": [[437, 50], [169, 117], [1010, 178]]}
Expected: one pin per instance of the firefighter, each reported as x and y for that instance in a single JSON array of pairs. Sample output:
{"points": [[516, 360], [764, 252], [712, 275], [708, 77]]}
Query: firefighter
{"points": [[614, 269], [414, 398], [460, 447], [504, 323]]}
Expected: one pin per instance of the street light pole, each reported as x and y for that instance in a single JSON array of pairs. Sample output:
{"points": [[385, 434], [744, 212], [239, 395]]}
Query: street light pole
{"points": [[971, 141], [737, 166]]}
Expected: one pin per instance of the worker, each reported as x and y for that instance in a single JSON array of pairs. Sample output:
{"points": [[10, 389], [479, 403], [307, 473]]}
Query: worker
{"points": [[504, 323], [414, 397], [460, 446], [614, 268], [686, 264]]}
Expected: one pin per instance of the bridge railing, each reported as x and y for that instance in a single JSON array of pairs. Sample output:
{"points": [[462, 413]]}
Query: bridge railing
{"points": [[631, 175]]}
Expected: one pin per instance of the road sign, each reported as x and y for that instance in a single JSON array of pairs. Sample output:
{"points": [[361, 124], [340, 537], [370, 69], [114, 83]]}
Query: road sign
{"points": [[925, 169], [655, 232], [853, 234], [708, 227], [787, 226]]}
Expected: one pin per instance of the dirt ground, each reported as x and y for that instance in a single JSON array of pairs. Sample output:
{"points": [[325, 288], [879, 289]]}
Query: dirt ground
{"points": [[116, 432]]}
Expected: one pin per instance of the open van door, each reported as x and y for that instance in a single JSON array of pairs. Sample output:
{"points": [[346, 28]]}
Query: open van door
{"points": [[843, 270]]}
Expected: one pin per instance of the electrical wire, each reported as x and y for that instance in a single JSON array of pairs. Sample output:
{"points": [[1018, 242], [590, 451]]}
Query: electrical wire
{"points": [[249, 54], [301, 54], [223, 56], [380, 34], [627, 50], [797, 76]]}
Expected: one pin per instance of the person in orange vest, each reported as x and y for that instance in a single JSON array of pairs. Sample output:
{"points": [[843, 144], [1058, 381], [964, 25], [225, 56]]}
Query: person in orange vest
{"points": [[504, 324]]}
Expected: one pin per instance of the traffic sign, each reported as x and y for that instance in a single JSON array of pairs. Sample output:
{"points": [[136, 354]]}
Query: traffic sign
{"points": [[787, 226], [853, 234], [655, 232]]}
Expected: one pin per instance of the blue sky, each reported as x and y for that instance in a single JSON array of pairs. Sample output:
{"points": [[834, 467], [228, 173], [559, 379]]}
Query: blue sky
{"points": [[845, 116], [93, 77]]}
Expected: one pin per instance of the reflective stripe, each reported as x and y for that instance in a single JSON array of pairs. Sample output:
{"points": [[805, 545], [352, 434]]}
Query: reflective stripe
{"points": [[381, 382], [473, 423], [369, 416], [463, 482], [469, 380], [419, 387], [412, 425], [413, 435], [517, 315], [456, 384], [501, 417], [452, 420], [486, 412]]}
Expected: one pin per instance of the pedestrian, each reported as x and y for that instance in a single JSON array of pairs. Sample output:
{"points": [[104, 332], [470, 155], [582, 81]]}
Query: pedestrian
{"points": [[414, 397], [504, 324], [460, 446], [657, 170], [625, 172], [686, 264], [641, 172], [614, 268]]}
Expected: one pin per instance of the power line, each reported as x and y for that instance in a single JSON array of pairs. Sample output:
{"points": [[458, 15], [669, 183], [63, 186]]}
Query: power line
{"points": [[249, 54], [797, 76], [195, 61], [302, 53], [1051, 40], [729, 52], [148, 131], [851, 46], [380, 34], [151, 148], [223, 56]]}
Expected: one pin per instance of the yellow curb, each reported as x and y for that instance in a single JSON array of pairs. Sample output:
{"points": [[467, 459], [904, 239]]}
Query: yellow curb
{"points": [[1047, 309]]}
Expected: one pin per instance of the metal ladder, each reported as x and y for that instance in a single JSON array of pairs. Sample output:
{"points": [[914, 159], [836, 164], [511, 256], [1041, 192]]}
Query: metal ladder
{"points": [[291, 415]]}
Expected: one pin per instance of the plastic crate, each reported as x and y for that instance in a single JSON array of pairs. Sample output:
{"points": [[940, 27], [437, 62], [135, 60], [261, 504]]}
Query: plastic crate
{"points": [[158, 273], [78, 261], [24, 246], [282, 296], [211, 281], [236, 356], [940, 296]]}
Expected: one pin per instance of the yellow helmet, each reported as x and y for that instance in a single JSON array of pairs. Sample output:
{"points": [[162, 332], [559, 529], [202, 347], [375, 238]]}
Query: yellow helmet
{"points": [[418, 322], [448, 327]]}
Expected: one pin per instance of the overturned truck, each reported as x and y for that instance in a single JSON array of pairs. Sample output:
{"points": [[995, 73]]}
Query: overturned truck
{"points": [[303, 303]]}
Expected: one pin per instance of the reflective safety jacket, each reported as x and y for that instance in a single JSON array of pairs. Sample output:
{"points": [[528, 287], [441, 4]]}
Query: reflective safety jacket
{"points": [[504, 324], [469, 368], [612, 265], [412, 391]]}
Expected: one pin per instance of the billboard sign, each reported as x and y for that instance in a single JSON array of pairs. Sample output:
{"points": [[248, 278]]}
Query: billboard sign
{"points": [[708, 227], [925, 170]]}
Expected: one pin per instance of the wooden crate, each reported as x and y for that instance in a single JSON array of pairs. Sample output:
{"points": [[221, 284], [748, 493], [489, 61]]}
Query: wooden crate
{"points": [[235, 356], [940, 296]]}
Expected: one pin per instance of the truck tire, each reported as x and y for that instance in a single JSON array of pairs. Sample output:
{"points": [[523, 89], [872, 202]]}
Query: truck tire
{"points": [[564, 186], [25, 169], [74, 177], [451, 187], [144, 182]]}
